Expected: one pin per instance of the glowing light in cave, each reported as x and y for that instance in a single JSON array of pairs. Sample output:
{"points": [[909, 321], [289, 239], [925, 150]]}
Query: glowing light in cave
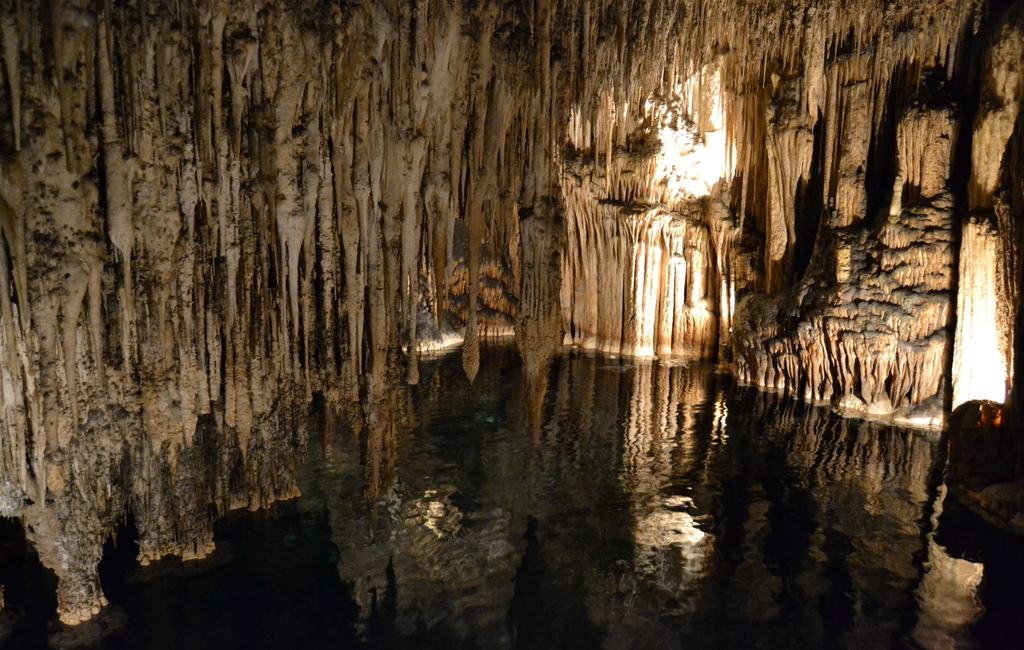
{"points": [[688, 166], [981, 354], [633, 181], [694, 148]]}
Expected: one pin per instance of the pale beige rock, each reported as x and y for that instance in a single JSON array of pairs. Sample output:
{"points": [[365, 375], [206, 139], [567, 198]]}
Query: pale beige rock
{"points": [[981, 355], [866, 327], [990, 251]]}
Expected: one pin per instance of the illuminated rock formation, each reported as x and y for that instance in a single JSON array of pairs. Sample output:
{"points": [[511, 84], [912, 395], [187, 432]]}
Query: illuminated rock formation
{"points": [[639, 271], [212, 211], [867, 325], [988, 298]]}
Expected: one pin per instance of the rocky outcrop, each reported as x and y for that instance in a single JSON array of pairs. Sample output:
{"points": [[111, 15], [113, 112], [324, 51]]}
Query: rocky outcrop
{"points": [[639, 271], [211, 211], [654, 266]]}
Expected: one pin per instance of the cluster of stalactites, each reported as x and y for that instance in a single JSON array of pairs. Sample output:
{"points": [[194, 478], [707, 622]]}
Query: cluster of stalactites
{"points": [[786, 85], [281, 234], [217, 209], [834, 81], [214, 210], [639, 270], [326, 182]]}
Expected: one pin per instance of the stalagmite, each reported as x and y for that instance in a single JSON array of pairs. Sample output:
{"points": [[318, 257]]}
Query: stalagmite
{"points": [[981, 356]]}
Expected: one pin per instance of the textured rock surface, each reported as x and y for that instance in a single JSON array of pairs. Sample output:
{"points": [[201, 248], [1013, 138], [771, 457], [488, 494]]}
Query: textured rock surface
{"points": [[214, 211], [867, 325], [988, 299], [639, 274], [211, 211]]}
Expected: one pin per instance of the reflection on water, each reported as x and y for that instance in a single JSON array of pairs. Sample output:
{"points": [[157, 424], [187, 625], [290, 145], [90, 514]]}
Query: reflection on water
{"points": [[948, 593], [640, 505], [657, 508]]}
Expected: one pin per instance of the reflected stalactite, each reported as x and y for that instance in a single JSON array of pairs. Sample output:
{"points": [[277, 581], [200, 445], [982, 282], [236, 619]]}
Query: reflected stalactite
{"points": [[869, 487], [415, 551], [948, 593], [650, 485], [670, 548], [375, 424], [539, 326], [759, 600]]}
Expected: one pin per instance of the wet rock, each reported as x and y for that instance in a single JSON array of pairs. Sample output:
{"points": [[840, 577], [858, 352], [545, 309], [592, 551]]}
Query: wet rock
{"points": [[1001, 504], [980, 451], [9, 619], [88, 634], [178, 567], [867, 326]]}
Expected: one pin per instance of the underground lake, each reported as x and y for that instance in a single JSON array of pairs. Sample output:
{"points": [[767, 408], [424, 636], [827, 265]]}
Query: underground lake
{"points": [[656, 505]]}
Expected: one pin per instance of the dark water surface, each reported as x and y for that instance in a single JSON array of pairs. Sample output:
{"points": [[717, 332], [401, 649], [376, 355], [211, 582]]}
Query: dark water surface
{"points": [[656, 507]]}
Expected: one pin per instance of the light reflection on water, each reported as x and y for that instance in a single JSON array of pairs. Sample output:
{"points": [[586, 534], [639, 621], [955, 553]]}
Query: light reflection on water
{"points": [[659, 508]]}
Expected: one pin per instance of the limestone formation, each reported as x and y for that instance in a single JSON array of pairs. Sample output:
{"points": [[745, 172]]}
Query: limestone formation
{"points": [[868, 323], [988, 299], [214, 211], [639, 270]]}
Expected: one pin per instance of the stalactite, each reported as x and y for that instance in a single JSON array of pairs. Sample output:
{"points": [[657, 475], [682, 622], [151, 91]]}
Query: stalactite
{"points": [[790, 147], [990, 237], [211, 211]]}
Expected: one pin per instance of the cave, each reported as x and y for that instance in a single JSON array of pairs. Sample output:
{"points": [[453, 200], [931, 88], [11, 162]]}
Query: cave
{"points": [[511, 323]]}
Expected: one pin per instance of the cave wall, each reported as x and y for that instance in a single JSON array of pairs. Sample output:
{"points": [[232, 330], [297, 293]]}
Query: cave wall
{"points": [[214, 213], [868, 323]]}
